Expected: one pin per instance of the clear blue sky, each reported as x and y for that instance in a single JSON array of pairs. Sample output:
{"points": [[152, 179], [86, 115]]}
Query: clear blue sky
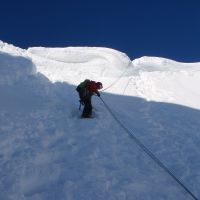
{"points": [[165, 28]]}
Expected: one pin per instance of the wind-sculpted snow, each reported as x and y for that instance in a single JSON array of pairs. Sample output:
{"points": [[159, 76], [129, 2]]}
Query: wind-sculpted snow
{"points": [[48, 152], [14, 68], [79, 62], [151, 64], [152, 78], [11, 49]]}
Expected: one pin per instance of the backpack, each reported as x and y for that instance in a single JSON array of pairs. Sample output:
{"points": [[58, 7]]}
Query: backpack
{"points": [[81, 88], [84, 84]]}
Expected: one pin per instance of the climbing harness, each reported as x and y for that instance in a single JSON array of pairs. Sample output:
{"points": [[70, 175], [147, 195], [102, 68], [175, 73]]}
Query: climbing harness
{"points": [[148, 152]]}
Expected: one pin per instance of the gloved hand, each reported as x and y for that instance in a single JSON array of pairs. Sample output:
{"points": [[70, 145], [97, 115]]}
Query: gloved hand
{"points": [[98, 94]]}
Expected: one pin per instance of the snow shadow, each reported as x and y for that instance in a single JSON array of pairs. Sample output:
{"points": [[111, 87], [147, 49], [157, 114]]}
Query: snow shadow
{"points": [[169, 130], [47, 152]]}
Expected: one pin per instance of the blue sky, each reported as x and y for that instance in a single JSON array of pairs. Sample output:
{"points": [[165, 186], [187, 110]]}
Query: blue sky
{"points": [[164, 28]]}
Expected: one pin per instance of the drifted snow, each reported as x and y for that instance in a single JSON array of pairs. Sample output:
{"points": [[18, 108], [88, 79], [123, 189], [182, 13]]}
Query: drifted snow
{"points": [[14, 68], [77, 63], [47, 152]]}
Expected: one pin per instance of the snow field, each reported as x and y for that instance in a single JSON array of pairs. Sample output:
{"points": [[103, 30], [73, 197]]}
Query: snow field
{"points": [[47, 152]]}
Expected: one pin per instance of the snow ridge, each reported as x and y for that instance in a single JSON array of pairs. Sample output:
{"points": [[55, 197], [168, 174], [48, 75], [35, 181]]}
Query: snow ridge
{"points": [[80, 62], [13, 68], [162, 64]]}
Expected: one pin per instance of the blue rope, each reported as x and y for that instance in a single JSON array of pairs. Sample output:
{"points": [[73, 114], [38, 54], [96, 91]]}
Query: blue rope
{"points": [[149, 153]]}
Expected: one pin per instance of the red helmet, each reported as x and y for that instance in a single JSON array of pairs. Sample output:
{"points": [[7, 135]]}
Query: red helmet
{"points": [[99, 85]]}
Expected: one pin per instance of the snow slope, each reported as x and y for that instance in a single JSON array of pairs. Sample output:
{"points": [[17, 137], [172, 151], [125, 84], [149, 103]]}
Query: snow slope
{"points": [[47, 152]]}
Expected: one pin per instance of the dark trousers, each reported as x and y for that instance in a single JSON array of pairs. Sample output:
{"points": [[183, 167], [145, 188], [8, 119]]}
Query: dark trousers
{"points": [[87, 110]]}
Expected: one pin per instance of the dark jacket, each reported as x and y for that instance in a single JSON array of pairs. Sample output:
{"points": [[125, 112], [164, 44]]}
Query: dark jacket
{"points": [[86, 89]]}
